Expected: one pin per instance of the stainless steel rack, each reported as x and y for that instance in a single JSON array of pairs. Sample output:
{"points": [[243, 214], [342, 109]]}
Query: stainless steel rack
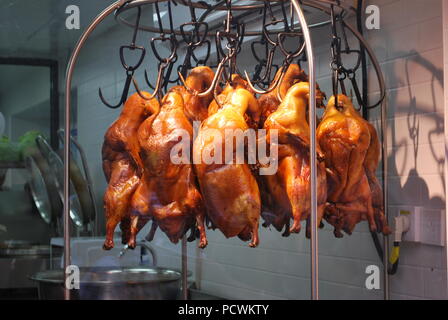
{"points": [[297, 8]]}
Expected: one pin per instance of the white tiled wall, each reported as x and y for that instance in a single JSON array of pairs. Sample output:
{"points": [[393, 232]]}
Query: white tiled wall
{"points": [[411, 40], [410, 49]]}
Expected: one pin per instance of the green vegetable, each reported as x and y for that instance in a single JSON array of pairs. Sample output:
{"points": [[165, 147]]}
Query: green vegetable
{"points": [[9, 152], [27, 143]]}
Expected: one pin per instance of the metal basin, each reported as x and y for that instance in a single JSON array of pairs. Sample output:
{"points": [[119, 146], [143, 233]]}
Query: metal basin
{"points": [[113, 284]]}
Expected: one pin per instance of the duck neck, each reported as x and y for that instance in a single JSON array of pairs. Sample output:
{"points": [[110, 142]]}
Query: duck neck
{"points": [[296, 104]]}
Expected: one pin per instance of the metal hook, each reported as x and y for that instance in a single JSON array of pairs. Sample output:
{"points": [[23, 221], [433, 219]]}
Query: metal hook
{"points": [[213, 85], [270, 89], [274, 43], [148, 82], [130, 69], [289, 56], [159, 18], [232, 46], [124, 94], [207, 55], [164, 63], [269, 54], [159, 83], [292, 55], [335, 54], [193, 42], [269, 66], [139, 92]]}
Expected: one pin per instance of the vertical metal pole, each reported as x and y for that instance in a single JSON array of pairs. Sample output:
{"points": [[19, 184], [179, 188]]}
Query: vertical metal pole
{"points": [[385, 200], [312, 121], [365, 112], [68, 84], [445, 83], [184, 269]]}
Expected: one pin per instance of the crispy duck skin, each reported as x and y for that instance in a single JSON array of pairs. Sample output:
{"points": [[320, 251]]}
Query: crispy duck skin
{"points": [[371, 162], [122, 163], [236, 83], [345, 140], [168, 193], [269, 101], [290, 186], [199, 80], [195, 109], [230, 190]]}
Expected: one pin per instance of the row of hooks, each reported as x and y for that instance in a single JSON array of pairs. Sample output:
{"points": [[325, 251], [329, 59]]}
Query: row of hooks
{"points": [[195, 36]]}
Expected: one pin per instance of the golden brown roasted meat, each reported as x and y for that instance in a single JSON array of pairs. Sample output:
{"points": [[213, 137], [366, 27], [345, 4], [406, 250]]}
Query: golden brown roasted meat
{"points": [[199, 80], [345, 139], [195, 109], [371, 162], [290, 186], [237, 82], [169, 193], [269, 101], [122, 164], [230, 190]]}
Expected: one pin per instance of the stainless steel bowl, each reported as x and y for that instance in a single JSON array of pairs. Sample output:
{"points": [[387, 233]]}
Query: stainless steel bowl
{"points": [[113, 284]]}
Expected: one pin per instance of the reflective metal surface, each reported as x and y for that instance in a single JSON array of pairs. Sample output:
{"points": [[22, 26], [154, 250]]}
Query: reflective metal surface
{"points": [[75, 206], [57, 167], [85, 187], [145, 246], [36, 250], [39, 190], [18, 248], [113, 284]]}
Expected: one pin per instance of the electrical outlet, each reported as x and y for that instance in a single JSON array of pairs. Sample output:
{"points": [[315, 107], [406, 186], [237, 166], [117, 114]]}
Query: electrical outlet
{"points": [[432, 227], [413, 234]]}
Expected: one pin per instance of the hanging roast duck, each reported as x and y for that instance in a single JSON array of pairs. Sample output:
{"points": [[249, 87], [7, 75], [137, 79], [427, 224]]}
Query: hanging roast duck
{"points": [[181, 108], [290, 185], [122, 165], [168, 192], [195, 109], [270, 101], [371, 162], [229, 188], [345, 139]]}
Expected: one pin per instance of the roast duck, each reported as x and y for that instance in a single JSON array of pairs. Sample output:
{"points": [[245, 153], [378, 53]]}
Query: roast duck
{"points": [[123, 167], [207, 183], [229, 187], [274, 213], [352, 152], [168, 192], [290, 185]]}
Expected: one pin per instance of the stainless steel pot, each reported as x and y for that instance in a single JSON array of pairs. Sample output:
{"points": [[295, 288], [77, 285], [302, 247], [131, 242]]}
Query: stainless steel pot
{"points": [[113, 284]]}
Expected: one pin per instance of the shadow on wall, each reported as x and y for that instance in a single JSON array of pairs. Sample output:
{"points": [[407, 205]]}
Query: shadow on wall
{"points": [[406, 150]]}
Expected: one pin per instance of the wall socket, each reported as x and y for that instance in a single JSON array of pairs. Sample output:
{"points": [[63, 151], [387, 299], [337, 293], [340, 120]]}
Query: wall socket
{"points": [[432, 227], [413, 213], [427, 226]]}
